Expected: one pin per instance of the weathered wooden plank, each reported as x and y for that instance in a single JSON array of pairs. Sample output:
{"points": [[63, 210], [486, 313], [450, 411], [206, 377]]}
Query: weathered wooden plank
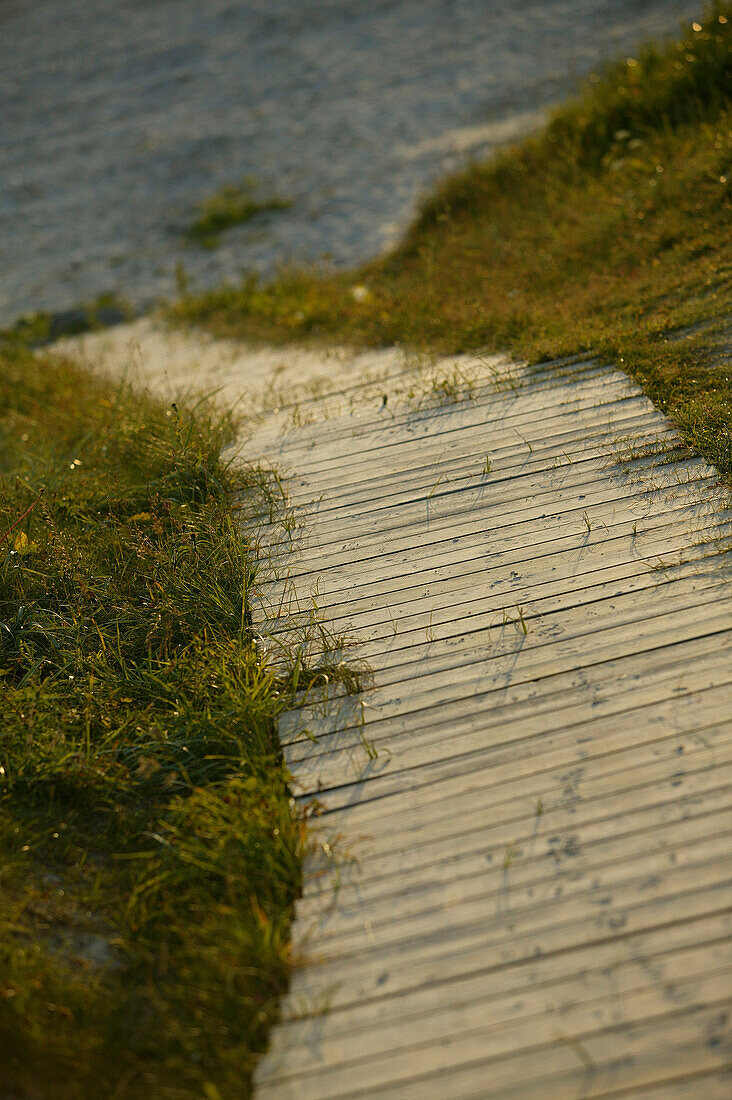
{"points": [[559, 515], [444, 851], [515, 989], [501, 895], [562, 757], [560, 443], [491, 666], [384, 973], [705, 1085], [422, 472], [440, 650], [337, 771], [567, 838], [512, 823], [546, 503], [582, 891], [603, 444], [665, 672], [539, 405], [562, 611], [646, 550], [374, 483], [532, 988], [555, 609], [626, 543], [491, 546], [355, 438], [486, 1029], [441, 502], [681, 711], [548, 1056], [604, 558]]}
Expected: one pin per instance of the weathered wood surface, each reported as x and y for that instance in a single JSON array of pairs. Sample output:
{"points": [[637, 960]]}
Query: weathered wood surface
{"points": [[531, 800]]}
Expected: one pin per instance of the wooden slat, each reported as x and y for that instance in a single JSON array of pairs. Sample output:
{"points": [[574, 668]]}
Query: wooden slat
{"points": [[496, 659], [396, 446], [374, 879], [566, 835], [653, 537], [664, 673], [381, 973], [599, 395], [534, 870], [485, 1027], [507, 462], [499, 546], [499, 890], [526, 769], [434, 504], [515, 988], [562, 515]]}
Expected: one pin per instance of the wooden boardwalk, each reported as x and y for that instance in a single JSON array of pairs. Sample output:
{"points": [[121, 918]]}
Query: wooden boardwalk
{"points": [[534, 792]]}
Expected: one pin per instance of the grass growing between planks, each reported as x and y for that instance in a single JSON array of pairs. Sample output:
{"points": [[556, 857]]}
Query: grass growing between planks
{"points": [[609, 233], [149, 850]]}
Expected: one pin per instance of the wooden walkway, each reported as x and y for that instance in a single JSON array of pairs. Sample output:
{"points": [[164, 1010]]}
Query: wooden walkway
{"points": [[534, 792]]}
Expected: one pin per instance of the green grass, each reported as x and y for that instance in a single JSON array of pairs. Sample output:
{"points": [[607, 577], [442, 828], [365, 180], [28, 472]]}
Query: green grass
{"points": [[149, 849], [608, 234], [231, 205]]}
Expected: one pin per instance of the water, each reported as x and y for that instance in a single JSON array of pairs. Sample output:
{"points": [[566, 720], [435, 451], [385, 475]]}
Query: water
{"points": [[118, 116]]}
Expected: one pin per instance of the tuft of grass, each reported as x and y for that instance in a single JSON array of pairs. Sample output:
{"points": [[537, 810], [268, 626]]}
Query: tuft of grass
{"points": [[150, 852], [231, 205], [609, 233]]}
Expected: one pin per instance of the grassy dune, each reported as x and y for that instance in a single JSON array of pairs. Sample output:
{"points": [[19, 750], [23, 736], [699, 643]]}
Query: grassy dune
{"points": [[609, 233]]}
